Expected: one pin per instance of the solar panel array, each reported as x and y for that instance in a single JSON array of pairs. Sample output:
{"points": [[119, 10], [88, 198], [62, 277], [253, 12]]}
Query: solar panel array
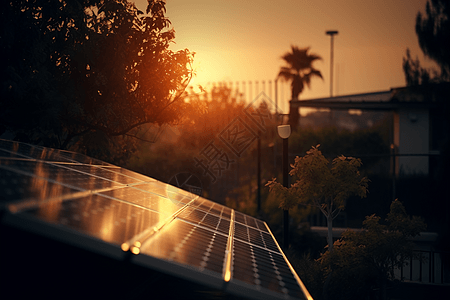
{"points": [[118, 213]]}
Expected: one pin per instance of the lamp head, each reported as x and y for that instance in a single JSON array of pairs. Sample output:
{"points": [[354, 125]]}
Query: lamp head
{"points": [[284, 131], [332, 32]]}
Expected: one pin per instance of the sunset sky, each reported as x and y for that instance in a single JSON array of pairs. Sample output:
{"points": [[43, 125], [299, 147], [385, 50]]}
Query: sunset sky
{"points": [[244, 40]]}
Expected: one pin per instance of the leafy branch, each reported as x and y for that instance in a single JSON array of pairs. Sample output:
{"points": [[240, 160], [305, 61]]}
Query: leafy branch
{"points": [[322, 184]]}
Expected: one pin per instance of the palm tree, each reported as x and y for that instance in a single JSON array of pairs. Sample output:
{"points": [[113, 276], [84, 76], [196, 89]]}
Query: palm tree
{"points": [[299, 71]]}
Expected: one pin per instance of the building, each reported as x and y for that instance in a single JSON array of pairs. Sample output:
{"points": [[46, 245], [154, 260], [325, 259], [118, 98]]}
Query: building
{"points": [[418, 121]]}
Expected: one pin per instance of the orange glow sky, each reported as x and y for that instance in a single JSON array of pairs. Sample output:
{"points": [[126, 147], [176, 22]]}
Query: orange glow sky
{"points": [[238, 40]]}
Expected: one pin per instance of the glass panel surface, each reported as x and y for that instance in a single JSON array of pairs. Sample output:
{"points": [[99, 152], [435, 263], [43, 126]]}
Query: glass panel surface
{"points": [[188, 244], [88, 199], [109, 220]]}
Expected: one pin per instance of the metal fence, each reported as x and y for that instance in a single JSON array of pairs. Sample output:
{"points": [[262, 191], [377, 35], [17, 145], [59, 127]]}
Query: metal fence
{"points": [[426, 267]]}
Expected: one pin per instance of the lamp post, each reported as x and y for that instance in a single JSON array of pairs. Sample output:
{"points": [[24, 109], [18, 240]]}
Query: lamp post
{"points": [[284, 131], [393, 162], [258, 196], [276, 95], [331, 33]]}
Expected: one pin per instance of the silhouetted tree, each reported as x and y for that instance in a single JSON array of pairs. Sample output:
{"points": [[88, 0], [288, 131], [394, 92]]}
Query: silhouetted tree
{"points": [[414, 73], [215, 109], [299, 71], [366, 259], [98, 67], [433, 32]]}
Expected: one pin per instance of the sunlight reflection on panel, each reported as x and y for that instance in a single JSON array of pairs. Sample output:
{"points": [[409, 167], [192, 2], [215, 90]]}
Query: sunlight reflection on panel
{"points": [[105, 173], [18, 187], [155, 187], [188, 244], [129, 173], [212, 207], [143, 198], [109, 220], [178, 195], [43, 189], [61, 175]]}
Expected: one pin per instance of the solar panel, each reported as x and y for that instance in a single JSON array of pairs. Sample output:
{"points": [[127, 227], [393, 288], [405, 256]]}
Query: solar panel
{"points": [[117, 213]]}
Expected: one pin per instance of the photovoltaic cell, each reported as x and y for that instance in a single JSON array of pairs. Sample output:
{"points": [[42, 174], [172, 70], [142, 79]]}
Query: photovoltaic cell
{"points": [[16, 186], [100, 217], [116, 212], [188, 244]]}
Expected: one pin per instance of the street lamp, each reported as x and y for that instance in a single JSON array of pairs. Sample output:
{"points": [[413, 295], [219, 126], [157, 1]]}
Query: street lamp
{"points": [[331, 33], [284, 131], [258, 172]]}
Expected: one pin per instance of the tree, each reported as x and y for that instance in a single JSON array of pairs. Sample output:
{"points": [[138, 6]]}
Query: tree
{"points": [[324, 186], [414, 74], [299, 71], [84, 67], [366, 259], [215, 109], [433, 32]]}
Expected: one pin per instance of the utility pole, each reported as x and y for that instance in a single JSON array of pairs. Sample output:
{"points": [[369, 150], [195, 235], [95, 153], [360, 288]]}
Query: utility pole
{"points": [[331, 33]]}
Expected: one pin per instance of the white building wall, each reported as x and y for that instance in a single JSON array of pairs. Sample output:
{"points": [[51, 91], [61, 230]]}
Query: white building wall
{"points": [[411, 136]]}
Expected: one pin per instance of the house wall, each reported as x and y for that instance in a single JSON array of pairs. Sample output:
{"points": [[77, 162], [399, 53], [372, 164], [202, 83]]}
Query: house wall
{"points": [[411, 136]]}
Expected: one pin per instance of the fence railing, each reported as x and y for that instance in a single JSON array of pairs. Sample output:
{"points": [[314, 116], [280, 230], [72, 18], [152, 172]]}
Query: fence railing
{"points": [[426, 267]]}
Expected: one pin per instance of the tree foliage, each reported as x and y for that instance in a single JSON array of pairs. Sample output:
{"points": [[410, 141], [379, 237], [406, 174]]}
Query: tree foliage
{"points": [[415, 74], [83, 67], [322, 185], [214, 110], [299, 71], [433, 32], [366, 259]]}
